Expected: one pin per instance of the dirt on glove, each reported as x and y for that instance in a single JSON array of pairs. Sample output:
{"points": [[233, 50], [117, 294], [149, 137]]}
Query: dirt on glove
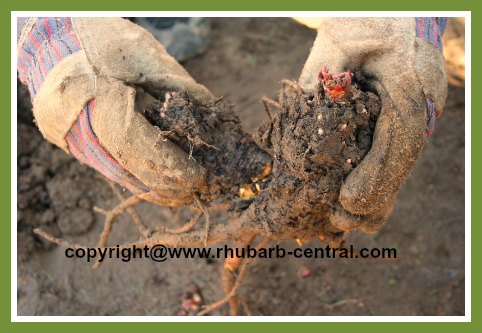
{"points": [[286, 177]]}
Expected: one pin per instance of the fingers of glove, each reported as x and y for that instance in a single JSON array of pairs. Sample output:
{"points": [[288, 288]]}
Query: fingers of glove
{"points": [[121, 49], [324, 52], [84, 145], [398, 140], [347, 43], [121, 131], [346, 221], [137, 146]]}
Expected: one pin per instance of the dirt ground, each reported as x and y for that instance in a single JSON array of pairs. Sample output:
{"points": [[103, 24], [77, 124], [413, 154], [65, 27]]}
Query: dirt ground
{"points": [[246, 60]]}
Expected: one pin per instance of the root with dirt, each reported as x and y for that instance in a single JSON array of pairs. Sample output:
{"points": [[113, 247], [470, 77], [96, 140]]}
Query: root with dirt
{"points": [[281, 183]]}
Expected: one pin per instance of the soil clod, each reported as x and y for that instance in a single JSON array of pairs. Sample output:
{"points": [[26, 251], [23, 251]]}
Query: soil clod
{"points": [[287, 177]]}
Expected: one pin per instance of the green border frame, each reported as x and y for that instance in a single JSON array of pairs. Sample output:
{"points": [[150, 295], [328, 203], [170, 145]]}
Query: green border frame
{"points": [[7, 6]]}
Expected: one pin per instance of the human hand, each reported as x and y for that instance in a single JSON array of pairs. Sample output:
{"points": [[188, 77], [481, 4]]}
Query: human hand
{"points": [[408, 73], [86, 77]]}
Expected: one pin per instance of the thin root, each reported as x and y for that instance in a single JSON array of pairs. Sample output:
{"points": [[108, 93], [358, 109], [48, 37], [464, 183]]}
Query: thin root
{"points": [[343, 302], [100, 210], [219, 233], [268, 101], [231, 265], [246, 308], [191, 149], [162, 137], [56, 240], [232, 293], [199, 141], [111, 218], [293, 85], [185, 228], [242, 271], [205, 211], [143, 229]]}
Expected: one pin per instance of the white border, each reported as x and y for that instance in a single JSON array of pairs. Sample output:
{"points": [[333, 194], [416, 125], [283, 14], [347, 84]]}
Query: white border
{"points": [[13, 158]]}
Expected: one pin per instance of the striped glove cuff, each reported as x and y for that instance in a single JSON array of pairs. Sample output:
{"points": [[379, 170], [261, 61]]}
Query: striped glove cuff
{"points": [[431, 29], [42, 43]]}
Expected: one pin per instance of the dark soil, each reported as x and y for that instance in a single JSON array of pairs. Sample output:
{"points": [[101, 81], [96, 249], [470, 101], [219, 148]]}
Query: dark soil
{"points": [[427, 226], [314, 142], [213, 136], [310, 146]]}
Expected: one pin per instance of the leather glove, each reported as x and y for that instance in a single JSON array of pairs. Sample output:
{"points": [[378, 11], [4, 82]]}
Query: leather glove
{"points": [[84, 76], [402, 59]]}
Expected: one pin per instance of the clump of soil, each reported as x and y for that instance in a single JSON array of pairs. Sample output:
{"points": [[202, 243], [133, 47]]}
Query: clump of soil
{"points": [[315, 141], [293, 171], [213, 136]]}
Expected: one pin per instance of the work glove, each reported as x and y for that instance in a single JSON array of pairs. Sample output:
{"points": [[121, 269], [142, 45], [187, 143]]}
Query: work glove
{"points": [[403, 61], [87, 78]]}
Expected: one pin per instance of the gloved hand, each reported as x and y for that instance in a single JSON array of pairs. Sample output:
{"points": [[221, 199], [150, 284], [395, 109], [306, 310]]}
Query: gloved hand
{"points": [[403, 60], [84, 76]]}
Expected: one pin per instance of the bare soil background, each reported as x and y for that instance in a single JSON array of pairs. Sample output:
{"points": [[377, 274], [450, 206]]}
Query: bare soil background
{"points": [[246, 60]]}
